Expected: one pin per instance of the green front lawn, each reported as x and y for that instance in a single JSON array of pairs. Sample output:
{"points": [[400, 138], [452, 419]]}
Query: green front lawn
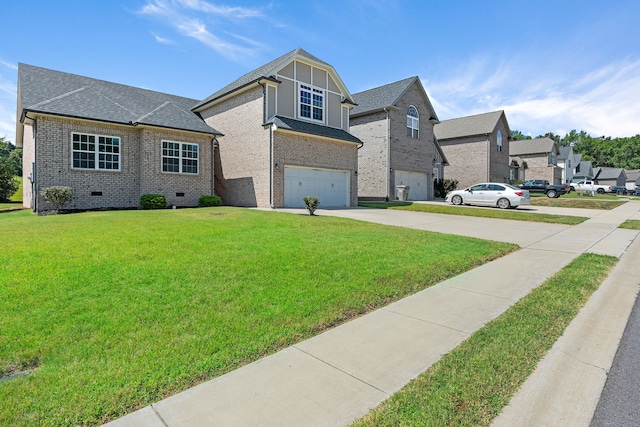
{"points": [[478, 212], [107, 312], [571, 200], [471, 384]]}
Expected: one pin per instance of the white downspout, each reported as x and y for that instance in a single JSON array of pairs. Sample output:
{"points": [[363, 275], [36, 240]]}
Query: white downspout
{"points": [[388, 155]]}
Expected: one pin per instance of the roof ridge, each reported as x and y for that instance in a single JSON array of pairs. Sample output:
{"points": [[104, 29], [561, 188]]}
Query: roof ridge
{"points": [[59, 97], [158, 108]]}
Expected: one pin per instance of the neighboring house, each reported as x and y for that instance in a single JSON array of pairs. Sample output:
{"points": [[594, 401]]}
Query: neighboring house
{"points": [[541, 157], [610, 176], [583, 170], [110, 143], [567, 161], [286, 127], [477, 148], [633, 177], [395, 123]]}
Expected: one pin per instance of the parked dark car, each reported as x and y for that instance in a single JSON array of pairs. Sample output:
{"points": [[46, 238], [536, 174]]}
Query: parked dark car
{"points": [[638, 192], [542, 186], [618, 189]]}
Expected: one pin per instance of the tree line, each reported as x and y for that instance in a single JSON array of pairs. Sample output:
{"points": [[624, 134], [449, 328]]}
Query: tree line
{"points": [[602, 151]]}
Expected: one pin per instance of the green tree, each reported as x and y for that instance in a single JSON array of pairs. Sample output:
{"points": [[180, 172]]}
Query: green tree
{"points": [[8, 182], [551, 135], [516, 135], [16, 157]]}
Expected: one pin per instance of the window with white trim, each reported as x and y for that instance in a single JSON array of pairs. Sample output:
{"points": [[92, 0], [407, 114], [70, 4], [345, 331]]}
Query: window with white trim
{"points": [[180, 157], [311, 102], [413, 122], [97, 152], [499, 140]]}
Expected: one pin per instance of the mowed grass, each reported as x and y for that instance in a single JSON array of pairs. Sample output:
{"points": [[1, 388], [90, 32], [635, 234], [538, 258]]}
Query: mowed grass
{"points": [[112, 311], [476, 211], [631, 224], [605, 202], [471, 384]]}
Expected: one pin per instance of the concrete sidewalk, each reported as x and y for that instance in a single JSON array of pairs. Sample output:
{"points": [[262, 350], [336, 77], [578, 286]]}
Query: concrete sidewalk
{"points": [[338, 376]]}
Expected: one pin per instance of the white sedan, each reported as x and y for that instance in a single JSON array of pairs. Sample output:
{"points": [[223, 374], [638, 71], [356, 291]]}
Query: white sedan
{"points": [[490, 194]]}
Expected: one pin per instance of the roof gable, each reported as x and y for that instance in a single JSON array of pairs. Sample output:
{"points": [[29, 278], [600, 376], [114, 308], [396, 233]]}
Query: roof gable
{"points": [[387, 96], [268, 72], [479, 124], [58, 93]]}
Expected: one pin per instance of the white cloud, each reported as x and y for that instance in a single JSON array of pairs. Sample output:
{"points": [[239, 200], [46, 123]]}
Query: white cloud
{"points": [[537, 101], [162, 40], [184, 17]]}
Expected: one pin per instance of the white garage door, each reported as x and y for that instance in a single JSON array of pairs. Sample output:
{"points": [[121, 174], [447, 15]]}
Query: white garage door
{"points": [[331, 187], [418, 183]]}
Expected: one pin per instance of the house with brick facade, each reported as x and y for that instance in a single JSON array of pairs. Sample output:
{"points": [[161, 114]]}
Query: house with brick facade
{"points": [[110, 143], [286, 127], [541, 156], [395, 123], [477, 148]]}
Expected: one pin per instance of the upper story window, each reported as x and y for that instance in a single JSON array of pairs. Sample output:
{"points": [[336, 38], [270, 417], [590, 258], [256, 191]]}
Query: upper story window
{"points": [[499, 140], [179, 157], [311, 102], [413, 122], [96, 152], [552, 158]]}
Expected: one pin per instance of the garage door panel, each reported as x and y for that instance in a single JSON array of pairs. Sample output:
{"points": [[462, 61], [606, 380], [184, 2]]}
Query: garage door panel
{"points": [[330, 187], [418, 183]]}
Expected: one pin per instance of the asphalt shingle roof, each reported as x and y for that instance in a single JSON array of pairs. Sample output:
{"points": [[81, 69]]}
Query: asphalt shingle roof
{"points": [[265, 72], [380, 97], [479, 124], [55, 92], [531, 146], [608, 173], [313, 129]]}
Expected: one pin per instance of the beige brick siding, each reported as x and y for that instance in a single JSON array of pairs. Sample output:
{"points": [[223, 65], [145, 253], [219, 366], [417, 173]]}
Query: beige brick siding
{"points": [[372, 156], [242, 165], [467, 160], [538, 168], [412, 154], [476, 158], [293, 149], [154, 181], [406, 153], [119, 189]]}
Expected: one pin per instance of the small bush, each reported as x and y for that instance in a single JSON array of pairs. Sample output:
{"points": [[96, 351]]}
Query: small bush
{"points": [[450, 185], [311, 203], [58, 196], [206, 201], [153, 201]]}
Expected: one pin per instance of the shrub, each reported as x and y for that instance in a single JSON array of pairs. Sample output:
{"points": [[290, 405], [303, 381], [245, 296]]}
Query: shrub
{"points": [[8, 182], [206, 201], [450, 185], [153, 201], [311, 203], [58, 196], [438, 188]]}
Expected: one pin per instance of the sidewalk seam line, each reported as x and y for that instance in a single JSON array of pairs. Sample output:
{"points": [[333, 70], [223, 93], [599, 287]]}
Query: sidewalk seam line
{"points": [[164, 423]]}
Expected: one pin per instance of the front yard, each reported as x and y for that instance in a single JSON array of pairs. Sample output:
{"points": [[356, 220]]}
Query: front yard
{"points": [[106, 312]]}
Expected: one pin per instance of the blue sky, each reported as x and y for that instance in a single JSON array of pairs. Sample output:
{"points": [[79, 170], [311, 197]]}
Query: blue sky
{"points": [[551, 65]]}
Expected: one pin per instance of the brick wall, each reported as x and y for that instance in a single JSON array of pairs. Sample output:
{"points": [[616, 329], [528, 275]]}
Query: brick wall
{"points": [[154, 181], [371, 129], [407, 153], [242, 164], [138, 174], [467, 160], [538, 168]]}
